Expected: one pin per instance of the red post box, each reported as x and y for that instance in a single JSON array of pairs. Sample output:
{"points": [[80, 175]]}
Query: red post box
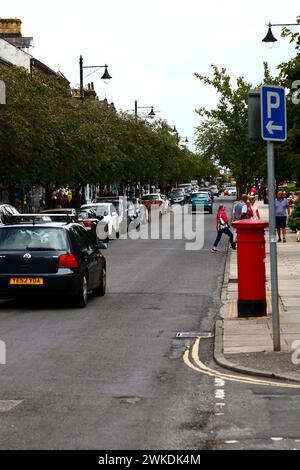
{"points": [[251, 253]]}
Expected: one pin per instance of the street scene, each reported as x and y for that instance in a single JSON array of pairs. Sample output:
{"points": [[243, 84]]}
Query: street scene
{"points": [[149, 237]]}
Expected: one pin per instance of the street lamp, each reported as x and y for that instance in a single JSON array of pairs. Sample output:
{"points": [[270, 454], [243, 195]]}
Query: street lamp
{"points": [[269, 38], [106, 77], [174, 131], [151, 114]]}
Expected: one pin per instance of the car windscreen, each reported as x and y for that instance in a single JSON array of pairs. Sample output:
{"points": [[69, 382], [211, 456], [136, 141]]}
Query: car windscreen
{"points": [[32, 238]]}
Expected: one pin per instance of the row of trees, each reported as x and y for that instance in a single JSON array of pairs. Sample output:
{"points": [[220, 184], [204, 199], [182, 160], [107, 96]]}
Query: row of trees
{"points": [[222, 135], [49, 138]]}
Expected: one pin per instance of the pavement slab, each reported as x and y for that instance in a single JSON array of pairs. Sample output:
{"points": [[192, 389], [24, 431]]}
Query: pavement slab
{"points": [[250, 341]]}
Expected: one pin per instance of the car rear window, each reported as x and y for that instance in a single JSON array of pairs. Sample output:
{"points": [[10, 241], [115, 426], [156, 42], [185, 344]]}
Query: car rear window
{"points": [[83, 215], [203, 194], [102, 210], [32, 238], [150, 197]]}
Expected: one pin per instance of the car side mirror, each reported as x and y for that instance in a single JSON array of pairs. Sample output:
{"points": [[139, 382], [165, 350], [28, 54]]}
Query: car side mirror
{"points": [[114, 213]]}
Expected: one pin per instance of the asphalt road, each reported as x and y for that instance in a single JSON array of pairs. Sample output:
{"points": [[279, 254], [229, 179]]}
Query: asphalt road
{"points": [[111, 376]]}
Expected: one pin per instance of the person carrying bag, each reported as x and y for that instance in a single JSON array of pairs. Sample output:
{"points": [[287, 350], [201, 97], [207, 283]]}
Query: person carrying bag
{"points": [[222, 225]]}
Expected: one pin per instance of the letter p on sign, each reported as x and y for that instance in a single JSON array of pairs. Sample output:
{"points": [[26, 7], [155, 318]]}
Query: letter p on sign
{"points": [[273, 102]]}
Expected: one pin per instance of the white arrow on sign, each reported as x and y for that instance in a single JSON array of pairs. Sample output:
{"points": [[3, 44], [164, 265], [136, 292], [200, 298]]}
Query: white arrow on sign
{"points": [[271, 127]]}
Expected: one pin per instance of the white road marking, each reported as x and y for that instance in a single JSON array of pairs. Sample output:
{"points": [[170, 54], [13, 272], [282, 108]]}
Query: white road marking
{"points": [[7, 405], [231, 442], [219, 382], [277, 438], [220, 393]]}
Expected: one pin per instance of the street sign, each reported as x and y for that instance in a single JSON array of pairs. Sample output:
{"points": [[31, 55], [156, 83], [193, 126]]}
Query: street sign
{"points": [[254, 121], [273, 113]]}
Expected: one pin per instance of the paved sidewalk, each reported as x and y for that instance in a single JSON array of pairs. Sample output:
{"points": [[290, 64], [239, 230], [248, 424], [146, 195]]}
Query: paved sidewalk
{"points": [[248, 342]]}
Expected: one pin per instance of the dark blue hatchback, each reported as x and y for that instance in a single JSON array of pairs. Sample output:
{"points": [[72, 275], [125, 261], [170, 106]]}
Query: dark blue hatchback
{"points": [[46, 258]]}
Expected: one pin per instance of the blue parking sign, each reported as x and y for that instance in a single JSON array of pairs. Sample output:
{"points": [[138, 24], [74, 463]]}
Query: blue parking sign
{"points": [[273, 113]]}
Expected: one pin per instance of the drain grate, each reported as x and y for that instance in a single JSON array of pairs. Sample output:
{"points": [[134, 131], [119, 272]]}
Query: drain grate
{"points": [[232, 281], [193, 334]]}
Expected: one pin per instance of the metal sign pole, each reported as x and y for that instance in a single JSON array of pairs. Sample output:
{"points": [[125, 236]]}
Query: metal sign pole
{"points": [[273, 247]]}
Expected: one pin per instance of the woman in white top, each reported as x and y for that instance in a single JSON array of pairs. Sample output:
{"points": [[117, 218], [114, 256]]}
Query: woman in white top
{"points": [[254, 208]]}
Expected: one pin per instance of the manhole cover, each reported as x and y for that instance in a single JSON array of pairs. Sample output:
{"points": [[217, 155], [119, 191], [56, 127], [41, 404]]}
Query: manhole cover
{"points": [[194, 334]]}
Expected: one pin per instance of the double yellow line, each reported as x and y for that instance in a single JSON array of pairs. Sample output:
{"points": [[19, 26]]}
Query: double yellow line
{"points": [[192, 360]]}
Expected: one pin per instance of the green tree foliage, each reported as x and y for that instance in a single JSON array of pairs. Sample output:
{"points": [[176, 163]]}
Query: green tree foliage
{"points": [[48, 138], [223, 134], [289, 76]]}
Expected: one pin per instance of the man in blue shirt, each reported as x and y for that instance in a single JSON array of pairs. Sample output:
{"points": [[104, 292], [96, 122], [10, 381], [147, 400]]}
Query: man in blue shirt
{"points": [[282, 209]]}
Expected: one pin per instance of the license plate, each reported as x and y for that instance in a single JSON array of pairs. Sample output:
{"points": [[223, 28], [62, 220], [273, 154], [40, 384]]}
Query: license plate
{"points": [[31, 281]]}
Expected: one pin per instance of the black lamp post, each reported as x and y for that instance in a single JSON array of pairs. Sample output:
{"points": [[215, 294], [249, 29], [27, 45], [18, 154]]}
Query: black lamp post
{"points": [[174, 131], [151, 114], [106, 77], [269, 38]]}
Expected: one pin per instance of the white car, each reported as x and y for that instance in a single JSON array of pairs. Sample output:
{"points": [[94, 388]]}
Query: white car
{"points": [[231, 190], [154, 199], [108, 227]]}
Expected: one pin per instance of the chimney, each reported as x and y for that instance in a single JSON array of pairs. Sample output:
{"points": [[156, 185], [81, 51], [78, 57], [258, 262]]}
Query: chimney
{"points": [[10, 27]]}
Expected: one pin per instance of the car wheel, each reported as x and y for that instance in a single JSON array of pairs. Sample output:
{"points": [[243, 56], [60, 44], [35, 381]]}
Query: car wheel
{"points": [[80, 300], [101, 289]]}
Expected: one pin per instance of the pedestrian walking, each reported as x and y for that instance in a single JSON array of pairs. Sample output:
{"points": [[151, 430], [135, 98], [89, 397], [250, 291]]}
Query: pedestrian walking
{"points": [[240, 210], [282, 210], [222, 226], [253, 191]]}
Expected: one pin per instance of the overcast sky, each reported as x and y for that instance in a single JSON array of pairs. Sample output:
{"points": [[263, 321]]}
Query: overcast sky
{"points": [[153, 48]]}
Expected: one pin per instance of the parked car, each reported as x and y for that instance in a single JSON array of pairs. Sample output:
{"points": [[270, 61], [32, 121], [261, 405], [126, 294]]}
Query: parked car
{"points": [[6, 212], [60, 212], [153, 199], [85, 217], [202, 199], [214, 189], [50, 258], [108, 226], [88, 219], [207, 190], [120, 204], [177, 197], [231, 191]]}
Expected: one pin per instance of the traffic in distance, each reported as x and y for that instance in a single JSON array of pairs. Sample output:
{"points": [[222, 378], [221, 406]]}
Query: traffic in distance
{"points": [[58, 252]]}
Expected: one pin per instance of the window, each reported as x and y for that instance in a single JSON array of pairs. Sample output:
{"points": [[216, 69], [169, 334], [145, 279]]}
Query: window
{"points": [[82, 240], [32, 238]]}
